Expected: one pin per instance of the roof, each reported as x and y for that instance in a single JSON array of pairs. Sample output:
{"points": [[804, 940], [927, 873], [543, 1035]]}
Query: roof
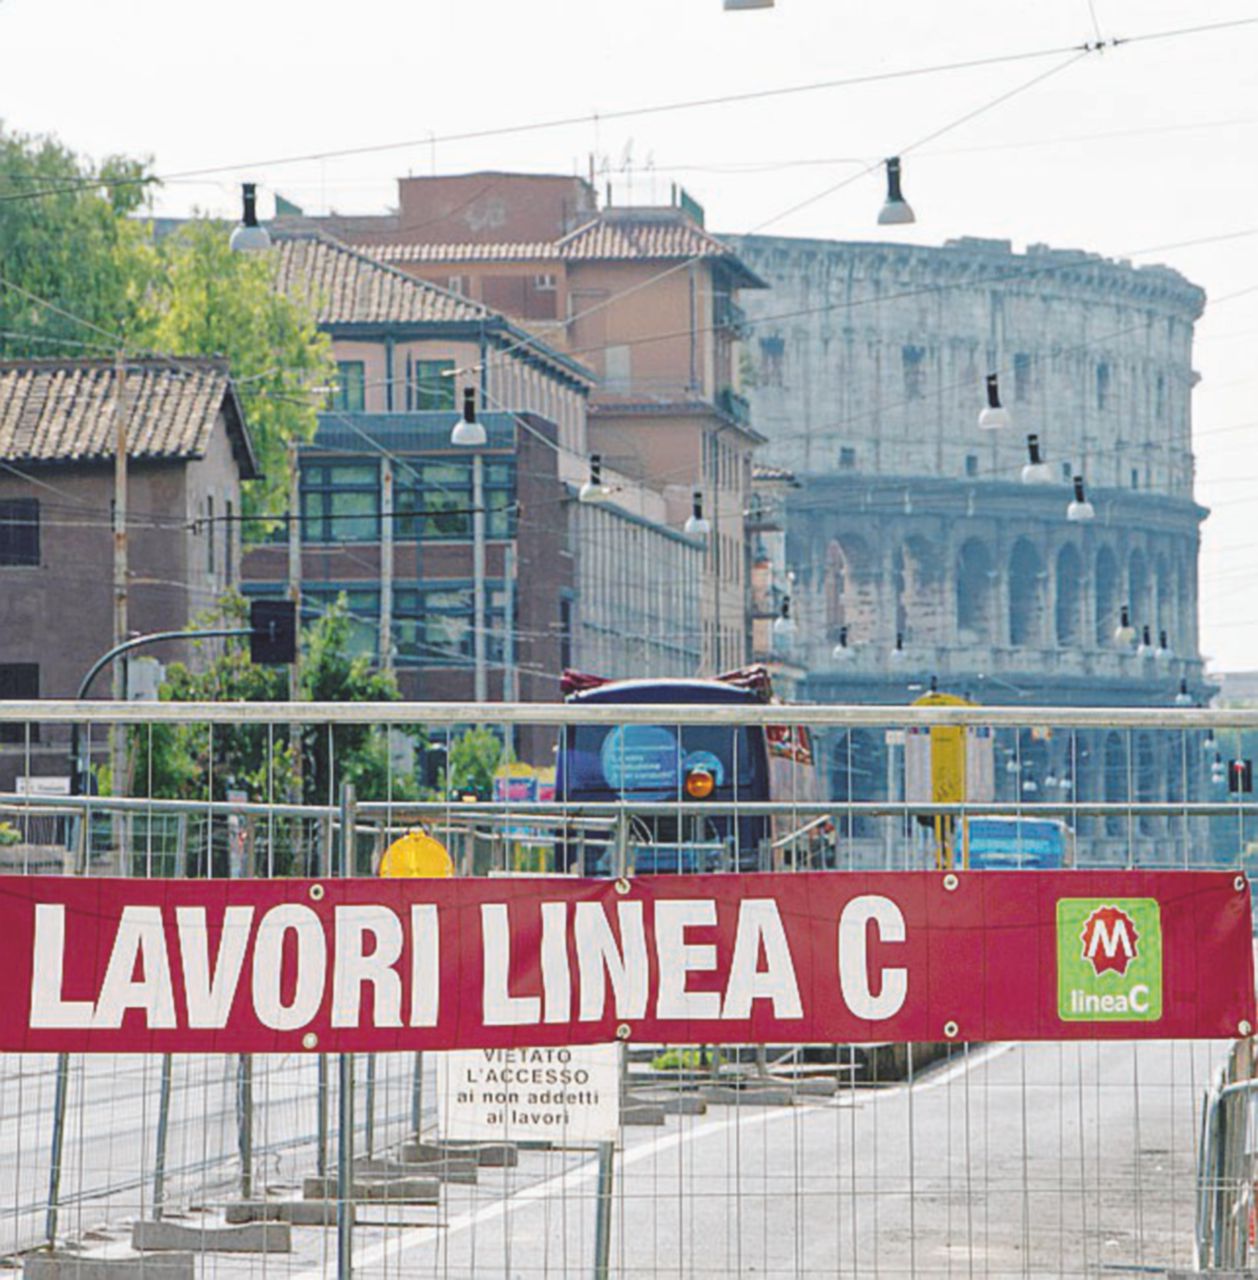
{"points": [[650, 235], [346, 286], [506, 252], [616, 235], [63, 410]]}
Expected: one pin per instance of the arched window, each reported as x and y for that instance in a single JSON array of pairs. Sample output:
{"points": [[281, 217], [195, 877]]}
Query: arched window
{"points": [[1108, 605], [975, 580], [1069, 606], [1026, 596], [1138, 590]]}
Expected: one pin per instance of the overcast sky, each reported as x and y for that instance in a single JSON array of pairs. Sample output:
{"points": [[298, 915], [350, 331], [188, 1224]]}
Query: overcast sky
{"points": [[1137, 147]]}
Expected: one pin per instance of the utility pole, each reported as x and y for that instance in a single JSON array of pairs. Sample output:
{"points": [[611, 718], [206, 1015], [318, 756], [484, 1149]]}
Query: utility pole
{"points": [[294, 594], [386, 564], [118, 736], [481, 686]]}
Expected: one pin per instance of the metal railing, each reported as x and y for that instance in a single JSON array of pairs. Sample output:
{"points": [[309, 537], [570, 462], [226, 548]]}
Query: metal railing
{"points": [[1043, 1159]]}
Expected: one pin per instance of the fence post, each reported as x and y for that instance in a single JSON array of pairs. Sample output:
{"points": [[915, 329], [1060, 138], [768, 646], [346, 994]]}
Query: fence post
{"points": [[345, 1063], [163, 1128], [244, 1123], [603, 1211], [58, 1145]]}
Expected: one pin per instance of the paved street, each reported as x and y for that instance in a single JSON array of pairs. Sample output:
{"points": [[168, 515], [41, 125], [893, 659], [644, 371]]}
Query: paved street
{"points": [[1044, 1160]]}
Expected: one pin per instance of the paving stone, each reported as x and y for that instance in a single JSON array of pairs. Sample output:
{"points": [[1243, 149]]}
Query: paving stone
{"points": [[299, 1213], [55, 1266], [260, 1237]]}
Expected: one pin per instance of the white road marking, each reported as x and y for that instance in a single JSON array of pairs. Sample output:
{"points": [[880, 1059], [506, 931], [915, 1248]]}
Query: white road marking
{"points": [[407, 1239]]}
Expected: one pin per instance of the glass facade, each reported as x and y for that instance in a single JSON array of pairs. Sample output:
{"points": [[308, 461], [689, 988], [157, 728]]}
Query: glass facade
{"points": [[433, 500]]}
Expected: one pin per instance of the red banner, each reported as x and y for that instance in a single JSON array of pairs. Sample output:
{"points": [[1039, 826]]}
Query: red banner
{"points": [[827, 957]]}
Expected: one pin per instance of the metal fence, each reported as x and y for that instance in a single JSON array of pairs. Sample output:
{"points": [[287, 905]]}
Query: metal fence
{"points": [[1035, 1159]]}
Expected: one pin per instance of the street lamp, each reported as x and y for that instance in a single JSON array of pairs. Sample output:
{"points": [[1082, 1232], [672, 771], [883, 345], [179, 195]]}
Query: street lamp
{"points": [[995, 416], [468, 433], [1145, 648], [1124, 633], [1036, 471], [897, 653], [696, 525], [784, 624], [842, 651], [896, 211], [1183, 698], [1080, 509], [249, 237], [594, 490], [1163, 651]]}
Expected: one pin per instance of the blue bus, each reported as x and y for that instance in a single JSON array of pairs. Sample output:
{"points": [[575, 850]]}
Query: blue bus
{"points": [[1010, 843], [694, 773]]}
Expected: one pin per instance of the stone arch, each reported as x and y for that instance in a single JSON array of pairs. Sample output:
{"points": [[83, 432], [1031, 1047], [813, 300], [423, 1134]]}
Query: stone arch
{"points": [[1164, 603], [849, 589], [975, 594], [1026, 595], [1105, 589], [1068, 607], [921, 604]]}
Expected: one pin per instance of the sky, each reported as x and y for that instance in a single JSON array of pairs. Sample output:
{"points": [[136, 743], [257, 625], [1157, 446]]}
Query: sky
{"points": [[1132, 151]]}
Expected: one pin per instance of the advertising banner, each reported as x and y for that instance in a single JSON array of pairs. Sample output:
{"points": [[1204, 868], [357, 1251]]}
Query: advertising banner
{"points": [[266, 966]]}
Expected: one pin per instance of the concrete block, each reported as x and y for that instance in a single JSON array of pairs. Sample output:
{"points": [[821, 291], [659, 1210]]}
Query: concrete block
{"points": [[390, 1190], [449, 1167], [641, 1113], [760, 1096], [488, 1155], [260, 1237], [60, 1266], [672, 1104], [815, 1087], [298, 1213]]}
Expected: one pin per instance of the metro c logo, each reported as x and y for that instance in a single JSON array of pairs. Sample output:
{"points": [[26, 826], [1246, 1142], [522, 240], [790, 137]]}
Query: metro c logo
{"points": [[854, 976]]}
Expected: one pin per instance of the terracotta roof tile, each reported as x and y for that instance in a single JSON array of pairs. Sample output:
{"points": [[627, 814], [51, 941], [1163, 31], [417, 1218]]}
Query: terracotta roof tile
{"points": [[506, 252], [63, 410], [343, 285]]}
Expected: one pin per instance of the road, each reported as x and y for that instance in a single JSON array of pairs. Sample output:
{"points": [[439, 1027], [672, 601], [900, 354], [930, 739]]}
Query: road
{"points": [[1035, 1160]]}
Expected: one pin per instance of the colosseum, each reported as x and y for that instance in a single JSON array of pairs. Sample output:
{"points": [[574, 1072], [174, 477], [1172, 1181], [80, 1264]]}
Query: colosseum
{"points": [[918, 549]]}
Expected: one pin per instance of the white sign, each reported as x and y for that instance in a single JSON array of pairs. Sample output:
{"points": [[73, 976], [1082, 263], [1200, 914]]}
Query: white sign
{"points": [[567, 1094]]}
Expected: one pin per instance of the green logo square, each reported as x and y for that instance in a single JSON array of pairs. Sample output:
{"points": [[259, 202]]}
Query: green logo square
{"points": [[1109, 959]]}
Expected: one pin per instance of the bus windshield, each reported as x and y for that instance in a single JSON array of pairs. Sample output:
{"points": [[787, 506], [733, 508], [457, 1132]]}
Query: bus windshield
{"points": [[653, 760]]}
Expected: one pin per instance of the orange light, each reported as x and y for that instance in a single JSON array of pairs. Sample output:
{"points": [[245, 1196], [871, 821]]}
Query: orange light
{"points": [[699, 784]]}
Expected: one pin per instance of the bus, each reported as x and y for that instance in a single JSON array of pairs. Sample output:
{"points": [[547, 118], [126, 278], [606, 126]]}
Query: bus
{"points": [[695, 774], [1008, 843]]}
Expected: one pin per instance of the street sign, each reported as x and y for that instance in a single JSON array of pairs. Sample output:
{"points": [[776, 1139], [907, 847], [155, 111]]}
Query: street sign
{"points": [[569, 1094]]}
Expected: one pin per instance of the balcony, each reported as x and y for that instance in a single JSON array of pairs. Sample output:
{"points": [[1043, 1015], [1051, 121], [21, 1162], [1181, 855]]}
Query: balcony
{"points": [[735, 407]]}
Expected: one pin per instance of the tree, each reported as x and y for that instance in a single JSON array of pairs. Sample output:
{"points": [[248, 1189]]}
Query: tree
{"points": [[84, 276], [193, 761], [474, 757], [69, 239], [207, 300]]}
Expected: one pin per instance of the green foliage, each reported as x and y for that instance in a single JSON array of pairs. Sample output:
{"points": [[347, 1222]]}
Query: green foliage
{"points": [[67, 237], [474, 756], [79, 248], [194, 761], [207, 300]]}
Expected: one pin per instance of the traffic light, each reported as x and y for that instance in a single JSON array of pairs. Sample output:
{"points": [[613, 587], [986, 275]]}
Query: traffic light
{"points": [[273, 632], [1240, 777]]}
